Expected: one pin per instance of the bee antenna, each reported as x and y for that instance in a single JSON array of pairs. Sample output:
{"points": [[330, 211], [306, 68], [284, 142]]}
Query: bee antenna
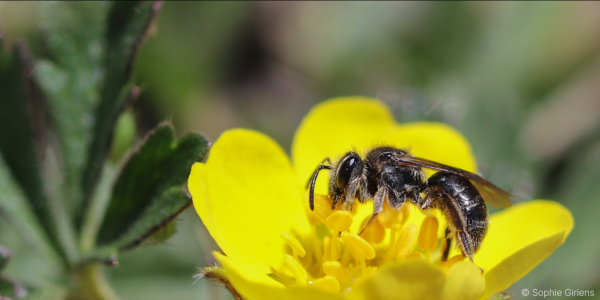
{"points": [[313, 180]]}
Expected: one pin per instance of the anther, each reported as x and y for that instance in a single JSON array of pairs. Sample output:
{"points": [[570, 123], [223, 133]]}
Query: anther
{"points": [[297, 269], [335, 268], [414, 255], [340, 220], [358, 247], [406, 241], [322, 208], [428, 234], [294, 243], [373, 234], [327, 283], [446, 265], [389, 217]]}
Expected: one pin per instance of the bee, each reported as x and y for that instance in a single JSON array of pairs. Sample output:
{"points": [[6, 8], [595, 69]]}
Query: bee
{"points": [[392, 175]]}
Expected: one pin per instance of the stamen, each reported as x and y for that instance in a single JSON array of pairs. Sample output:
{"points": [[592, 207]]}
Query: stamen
{"points": [[389, 217], [358, 247], [297, 248], [331, 246], [322, 208], [327, 248], [406, 241], [373, 234], [327, 283], [414, 255], [335, 268], [340, 220], [428, 235], [446, 265], [297, 269], [406, 210], [392, 247], [334, 254], [315, 244]]}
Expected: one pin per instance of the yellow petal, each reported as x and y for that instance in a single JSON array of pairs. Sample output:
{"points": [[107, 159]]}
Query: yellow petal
{"points": [[246, 195], [256, 286], [434, 141], [334, 127], [519, 238], [409, 279], [464, 281]]}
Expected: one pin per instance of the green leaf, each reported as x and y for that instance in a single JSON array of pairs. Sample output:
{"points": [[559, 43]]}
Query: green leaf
{"points": [[74, 35], [4, 257], [128, 23], [10, 289], [22, 142], [18, 213], [20, 113], [150, 189], [154, 225], [162, 234]]}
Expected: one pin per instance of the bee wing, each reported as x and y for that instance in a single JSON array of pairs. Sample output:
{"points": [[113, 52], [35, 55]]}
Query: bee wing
{"points": [[492, 194]]}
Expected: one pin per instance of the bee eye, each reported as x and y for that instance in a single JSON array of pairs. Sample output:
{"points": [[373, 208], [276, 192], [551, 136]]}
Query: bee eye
{"points": [[344, 172]]}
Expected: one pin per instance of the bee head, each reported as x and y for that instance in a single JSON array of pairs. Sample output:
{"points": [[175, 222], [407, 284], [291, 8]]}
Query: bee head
{"points": [[347, 169]]}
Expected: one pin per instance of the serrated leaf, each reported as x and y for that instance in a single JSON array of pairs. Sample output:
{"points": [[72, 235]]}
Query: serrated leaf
{"points": [[149, 191], [127, 25], [71, 80], [21, 144], [162, 234], [156, 219], [17, 137], [16, 211]]}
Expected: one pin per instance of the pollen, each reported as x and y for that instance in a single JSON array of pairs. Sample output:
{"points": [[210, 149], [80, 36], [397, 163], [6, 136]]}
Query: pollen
{"points": [[374, 234], [428, 234], [322, 208], [338, 257], [340, 220], [389, 217], [406, 241], [294, 244], [358, 247]]}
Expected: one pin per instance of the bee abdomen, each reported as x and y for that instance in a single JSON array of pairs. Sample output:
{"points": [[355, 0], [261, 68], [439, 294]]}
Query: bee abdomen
{"points": [[463, 206]]}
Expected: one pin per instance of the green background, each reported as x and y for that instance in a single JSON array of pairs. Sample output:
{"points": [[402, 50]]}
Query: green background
{"points": [[520, 80]]}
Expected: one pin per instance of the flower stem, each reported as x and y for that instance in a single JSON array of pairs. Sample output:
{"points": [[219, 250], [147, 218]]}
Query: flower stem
{"points": [[93, 284], [97, 208]]}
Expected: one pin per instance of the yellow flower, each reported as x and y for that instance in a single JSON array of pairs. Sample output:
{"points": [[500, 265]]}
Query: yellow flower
{"points": [[254, 203]]}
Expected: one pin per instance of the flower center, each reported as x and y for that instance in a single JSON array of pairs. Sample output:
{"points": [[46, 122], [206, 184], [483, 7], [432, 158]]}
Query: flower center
{"points": [[339, 258]]}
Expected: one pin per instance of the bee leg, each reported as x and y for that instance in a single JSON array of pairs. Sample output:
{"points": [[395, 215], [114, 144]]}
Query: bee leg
{"points": [[334, 202], [466, 244], [380, 196], [447, 244], [416, 197]]}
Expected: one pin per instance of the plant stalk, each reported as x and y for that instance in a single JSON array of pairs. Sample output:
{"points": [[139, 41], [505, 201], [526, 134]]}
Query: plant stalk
{"points": [[92, 284]]}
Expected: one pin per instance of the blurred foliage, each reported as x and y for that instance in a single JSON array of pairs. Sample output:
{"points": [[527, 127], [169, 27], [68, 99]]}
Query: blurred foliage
{"points": [[58, 117], [519, 79]]}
